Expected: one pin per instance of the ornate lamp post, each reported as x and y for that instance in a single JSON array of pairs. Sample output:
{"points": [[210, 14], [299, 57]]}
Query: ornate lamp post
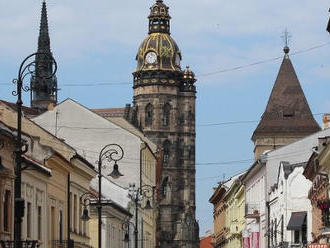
{"points": [[139, 195], [111, 153], [125, 227], [328, 28], [26, 68]]}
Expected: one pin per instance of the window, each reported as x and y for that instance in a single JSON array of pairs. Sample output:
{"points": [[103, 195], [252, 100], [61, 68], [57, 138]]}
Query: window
{"points": [[52, 223], [166, 114], [61, 226], [275, 232], [326, 217], [6, 207], [163, 189], [39, 223], [272, 232], [149, 114], [166, 149], [75, 223], [296, 237], [28, 220]]}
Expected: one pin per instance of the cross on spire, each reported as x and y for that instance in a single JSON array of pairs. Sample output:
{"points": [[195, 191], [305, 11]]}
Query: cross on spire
{"points": [[286, 38]]}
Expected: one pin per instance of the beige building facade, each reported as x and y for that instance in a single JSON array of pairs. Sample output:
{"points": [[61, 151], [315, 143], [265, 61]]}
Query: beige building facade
{"points": [[45, 186]]}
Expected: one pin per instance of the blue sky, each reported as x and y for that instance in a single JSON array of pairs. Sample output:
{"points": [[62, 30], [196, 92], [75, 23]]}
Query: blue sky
{"points": [[96, 42]]}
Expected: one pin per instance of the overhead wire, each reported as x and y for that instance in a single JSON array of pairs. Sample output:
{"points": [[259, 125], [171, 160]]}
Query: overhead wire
{"points": [[235, 68]]}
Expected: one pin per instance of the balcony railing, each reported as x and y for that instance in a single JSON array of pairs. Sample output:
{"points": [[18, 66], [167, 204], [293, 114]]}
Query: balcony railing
{"points": [[66, 244], [290, 245], [23, 244]]}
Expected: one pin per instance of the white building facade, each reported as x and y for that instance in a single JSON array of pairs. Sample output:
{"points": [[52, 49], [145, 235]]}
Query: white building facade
{"points": [[290, 210], [255, 204]]}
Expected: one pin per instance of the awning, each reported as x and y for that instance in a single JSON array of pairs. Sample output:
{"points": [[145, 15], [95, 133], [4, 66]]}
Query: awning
{"points": [[297, 220]]}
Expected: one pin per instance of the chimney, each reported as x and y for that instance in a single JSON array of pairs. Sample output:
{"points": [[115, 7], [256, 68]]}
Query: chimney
{"points": [[325, 120]]}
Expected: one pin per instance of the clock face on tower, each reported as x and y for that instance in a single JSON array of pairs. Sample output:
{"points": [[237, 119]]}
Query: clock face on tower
{"points": [[151, 57]]}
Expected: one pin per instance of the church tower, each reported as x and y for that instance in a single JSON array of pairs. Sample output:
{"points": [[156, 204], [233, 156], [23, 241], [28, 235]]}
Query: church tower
{"points": [[43, 87], [164, 106], [287, 117]]}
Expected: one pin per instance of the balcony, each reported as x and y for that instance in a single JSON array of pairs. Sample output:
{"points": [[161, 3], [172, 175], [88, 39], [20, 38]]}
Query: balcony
{"points": [[65, 244], [252, 211], [290, 245], [23, 244]]}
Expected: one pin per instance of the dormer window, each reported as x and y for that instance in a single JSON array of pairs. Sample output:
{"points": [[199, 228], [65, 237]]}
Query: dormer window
{"points": [[288, 113]]}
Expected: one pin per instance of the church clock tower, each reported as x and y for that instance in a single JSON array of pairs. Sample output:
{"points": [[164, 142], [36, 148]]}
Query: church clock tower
{"points": [[164, 104]]}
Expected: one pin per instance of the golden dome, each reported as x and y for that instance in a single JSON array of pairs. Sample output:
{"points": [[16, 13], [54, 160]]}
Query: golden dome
{"points": [[158, 52]]}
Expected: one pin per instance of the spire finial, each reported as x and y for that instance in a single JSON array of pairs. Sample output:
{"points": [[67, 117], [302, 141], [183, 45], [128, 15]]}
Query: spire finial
{"points": [[286, 37], [44, 40]]}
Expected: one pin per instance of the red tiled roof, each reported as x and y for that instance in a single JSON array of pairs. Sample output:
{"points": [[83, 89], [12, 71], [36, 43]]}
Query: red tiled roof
{"points": [[110, 112], [287, 110], [205, 242], [27, 111]]}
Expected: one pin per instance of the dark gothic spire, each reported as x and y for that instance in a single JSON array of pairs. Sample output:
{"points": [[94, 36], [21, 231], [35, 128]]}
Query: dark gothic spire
{"points": [[159, 18], [44, 40], [43, 88], [287, 111]]}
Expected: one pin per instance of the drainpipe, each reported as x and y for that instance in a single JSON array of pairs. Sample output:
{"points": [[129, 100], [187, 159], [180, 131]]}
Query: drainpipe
{"points": [[268, 221], [143, 147]]}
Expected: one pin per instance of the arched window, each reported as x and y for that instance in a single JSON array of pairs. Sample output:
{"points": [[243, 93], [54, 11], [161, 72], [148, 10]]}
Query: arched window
{"points": [[166, 114], [6, 211], [166, 149], [149, 114], [163, 189]]}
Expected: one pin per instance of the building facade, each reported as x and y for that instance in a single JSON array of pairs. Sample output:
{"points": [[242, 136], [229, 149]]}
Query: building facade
{"points": [[317, 170], [138, 164], [290, 211], [45, 185], [164, 109], [255, 205], [235, 213]]}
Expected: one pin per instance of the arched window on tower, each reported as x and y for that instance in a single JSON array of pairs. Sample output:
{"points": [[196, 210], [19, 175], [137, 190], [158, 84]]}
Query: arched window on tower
{"points": [[149, 114], [163, 189], [166, 149], [166, 114]]}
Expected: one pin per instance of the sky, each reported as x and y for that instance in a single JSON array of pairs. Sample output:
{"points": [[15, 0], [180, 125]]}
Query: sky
{"points": [[95, 44]]}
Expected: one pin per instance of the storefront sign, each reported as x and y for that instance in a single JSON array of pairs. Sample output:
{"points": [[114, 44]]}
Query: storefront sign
{"points": [[318, 246]]}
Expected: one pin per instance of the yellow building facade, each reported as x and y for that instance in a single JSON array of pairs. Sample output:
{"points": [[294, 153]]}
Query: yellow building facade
{"points": [[235, 211], [45, 188]]}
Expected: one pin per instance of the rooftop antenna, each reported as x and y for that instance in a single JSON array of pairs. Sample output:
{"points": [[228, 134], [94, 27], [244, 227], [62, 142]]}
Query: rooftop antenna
{"points": [[286, 38]]}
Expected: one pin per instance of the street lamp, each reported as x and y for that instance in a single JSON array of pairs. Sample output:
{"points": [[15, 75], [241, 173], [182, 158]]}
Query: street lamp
{"points": [[110, 153], [125, 227], [328, 28], [138, 195], [29, 66]]}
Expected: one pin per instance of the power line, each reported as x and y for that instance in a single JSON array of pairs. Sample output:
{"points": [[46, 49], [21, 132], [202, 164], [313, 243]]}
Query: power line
{"points": [[262, 61], [235, 68]]}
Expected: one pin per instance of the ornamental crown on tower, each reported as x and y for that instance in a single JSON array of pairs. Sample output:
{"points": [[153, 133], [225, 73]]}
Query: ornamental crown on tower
{"points": [[159, 18]]}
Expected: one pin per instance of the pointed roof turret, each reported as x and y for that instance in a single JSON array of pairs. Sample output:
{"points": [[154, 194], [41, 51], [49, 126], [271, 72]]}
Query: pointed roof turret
{"points": [[43, 86], [287, 111]]}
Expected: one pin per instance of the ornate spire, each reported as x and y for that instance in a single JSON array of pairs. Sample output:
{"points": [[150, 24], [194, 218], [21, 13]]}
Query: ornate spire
{"points": [[43, 88], [44, 40], [159, 18]]}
